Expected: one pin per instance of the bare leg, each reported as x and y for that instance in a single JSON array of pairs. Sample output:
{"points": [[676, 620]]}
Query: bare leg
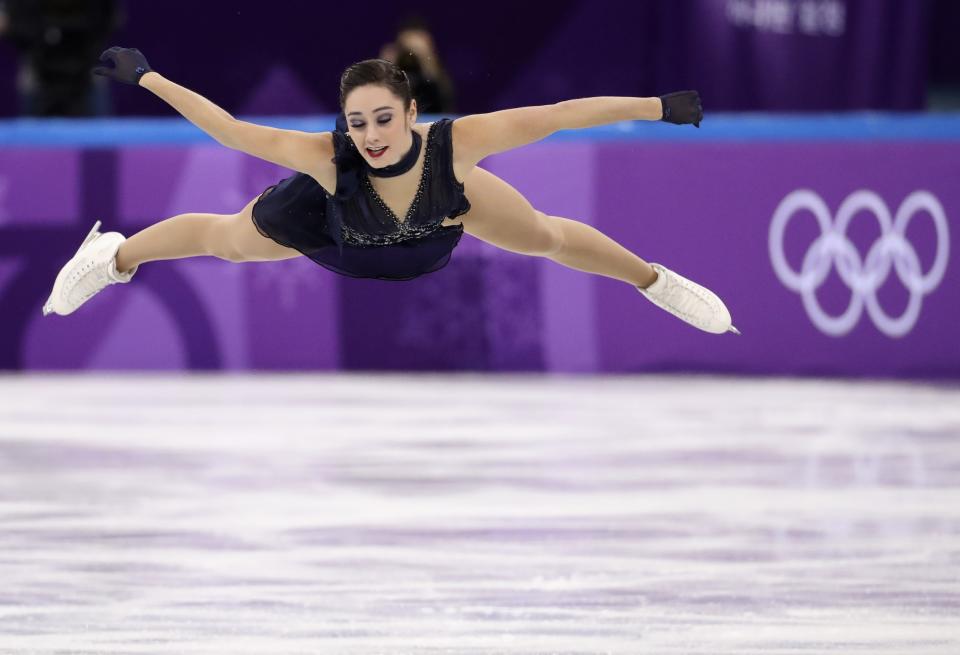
{"points": [[175, 238], [500, 215], [231, 237], [586, 248]]}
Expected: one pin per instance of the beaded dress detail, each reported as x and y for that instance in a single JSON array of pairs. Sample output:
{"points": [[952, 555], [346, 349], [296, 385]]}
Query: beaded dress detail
{"points": [[352, 231], [405, 230]]}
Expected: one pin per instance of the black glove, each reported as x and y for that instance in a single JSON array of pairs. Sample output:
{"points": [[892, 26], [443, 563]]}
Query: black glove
{"points": [[682, 107], [129, 65]]}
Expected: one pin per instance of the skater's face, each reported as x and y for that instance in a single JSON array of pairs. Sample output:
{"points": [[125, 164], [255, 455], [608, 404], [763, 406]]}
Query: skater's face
{"points": [[378, 125]]}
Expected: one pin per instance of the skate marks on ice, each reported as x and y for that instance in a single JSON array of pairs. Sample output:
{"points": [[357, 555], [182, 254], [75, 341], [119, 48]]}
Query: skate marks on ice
{"points": [[431, 514]]}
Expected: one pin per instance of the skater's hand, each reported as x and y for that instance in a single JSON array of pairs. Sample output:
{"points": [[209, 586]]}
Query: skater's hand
{"points": [[682, 107], [129, 65]]}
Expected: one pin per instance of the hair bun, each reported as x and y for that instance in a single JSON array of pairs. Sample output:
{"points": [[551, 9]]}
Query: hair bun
{"points": [[376, 71]]}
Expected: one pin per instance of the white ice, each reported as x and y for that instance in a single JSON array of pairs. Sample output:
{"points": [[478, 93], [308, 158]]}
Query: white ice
{"points": [[370, 514]]}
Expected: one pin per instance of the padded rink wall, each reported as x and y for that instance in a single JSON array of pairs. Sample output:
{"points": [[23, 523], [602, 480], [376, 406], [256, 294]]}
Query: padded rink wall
{"points": [[833, 240]]}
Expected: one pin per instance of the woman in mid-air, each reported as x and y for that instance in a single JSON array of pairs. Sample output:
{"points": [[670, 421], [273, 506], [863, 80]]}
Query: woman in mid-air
{"points": [[383, 196]]}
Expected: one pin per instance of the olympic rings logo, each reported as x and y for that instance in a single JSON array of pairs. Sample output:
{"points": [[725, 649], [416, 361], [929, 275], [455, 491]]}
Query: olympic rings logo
{"points": [[892, 251]]}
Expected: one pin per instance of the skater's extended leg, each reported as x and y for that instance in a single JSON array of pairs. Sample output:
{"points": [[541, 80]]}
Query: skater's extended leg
{"points": [[586, 248], [106, 258], [232, 237], [500, 215]]}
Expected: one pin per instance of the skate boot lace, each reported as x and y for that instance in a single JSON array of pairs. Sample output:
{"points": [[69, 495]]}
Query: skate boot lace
{"points": [[686, 299], [88, 280]]}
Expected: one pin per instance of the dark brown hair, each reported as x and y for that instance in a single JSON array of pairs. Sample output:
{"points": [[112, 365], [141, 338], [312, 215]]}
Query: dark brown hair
{"points": [[376, 71]]}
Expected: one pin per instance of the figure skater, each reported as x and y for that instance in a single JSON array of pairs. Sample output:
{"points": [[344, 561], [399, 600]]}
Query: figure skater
{"points": [[383, 196]]}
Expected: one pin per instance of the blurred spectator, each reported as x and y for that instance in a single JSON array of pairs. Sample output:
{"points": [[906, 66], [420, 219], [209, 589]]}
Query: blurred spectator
{"points": [[414, 51], [59, 42]]}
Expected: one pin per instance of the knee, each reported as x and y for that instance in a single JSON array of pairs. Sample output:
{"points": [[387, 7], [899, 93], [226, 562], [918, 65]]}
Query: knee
{"points": [[553, 237], [231, 256], [222, 240]]}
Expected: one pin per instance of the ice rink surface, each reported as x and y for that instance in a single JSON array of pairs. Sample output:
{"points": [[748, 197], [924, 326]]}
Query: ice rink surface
{"points": [[468, 514]]}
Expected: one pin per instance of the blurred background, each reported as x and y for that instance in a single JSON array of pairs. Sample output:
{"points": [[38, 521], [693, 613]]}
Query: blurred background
{"points": [[742, 55], [845, 105]]}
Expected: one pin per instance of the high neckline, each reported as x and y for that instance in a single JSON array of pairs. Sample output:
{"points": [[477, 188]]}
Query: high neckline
{"points": [[405, 164]]}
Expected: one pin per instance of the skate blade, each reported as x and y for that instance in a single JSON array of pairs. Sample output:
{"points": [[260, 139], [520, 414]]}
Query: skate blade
{"points": [[90, 237]]}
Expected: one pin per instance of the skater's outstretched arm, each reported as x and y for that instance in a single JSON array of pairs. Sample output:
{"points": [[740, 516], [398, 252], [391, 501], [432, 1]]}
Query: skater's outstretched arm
{"points": [[480, 135], [306, 152]]}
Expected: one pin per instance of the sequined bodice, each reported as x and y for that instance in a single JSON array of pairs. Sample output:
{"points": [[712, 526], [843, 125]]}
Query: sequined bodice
{"points": [[405, 229], [368, 221]]}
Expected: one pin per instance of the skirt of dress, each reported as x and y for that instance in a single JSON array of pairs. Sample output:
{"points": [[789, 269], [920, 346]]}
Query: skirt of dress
{"points": [[293, 213]]}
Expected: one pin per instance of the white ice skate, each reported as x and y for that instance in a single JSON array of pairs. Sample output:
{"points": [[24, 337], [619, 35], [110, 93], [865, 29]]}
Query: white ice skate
{"points": [[689, 301], [91, 269]]}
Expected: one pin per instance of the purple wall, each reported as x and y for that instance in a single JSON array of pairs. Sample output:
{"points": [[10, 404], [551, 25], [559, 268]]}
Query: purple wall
{"points": [[706, 209]]}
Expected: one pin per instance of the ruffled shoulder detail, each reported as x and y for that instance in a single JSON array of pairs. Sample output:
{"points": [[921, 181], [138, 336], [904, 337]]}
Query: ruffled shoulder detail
{"points": [[349, 165]]}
